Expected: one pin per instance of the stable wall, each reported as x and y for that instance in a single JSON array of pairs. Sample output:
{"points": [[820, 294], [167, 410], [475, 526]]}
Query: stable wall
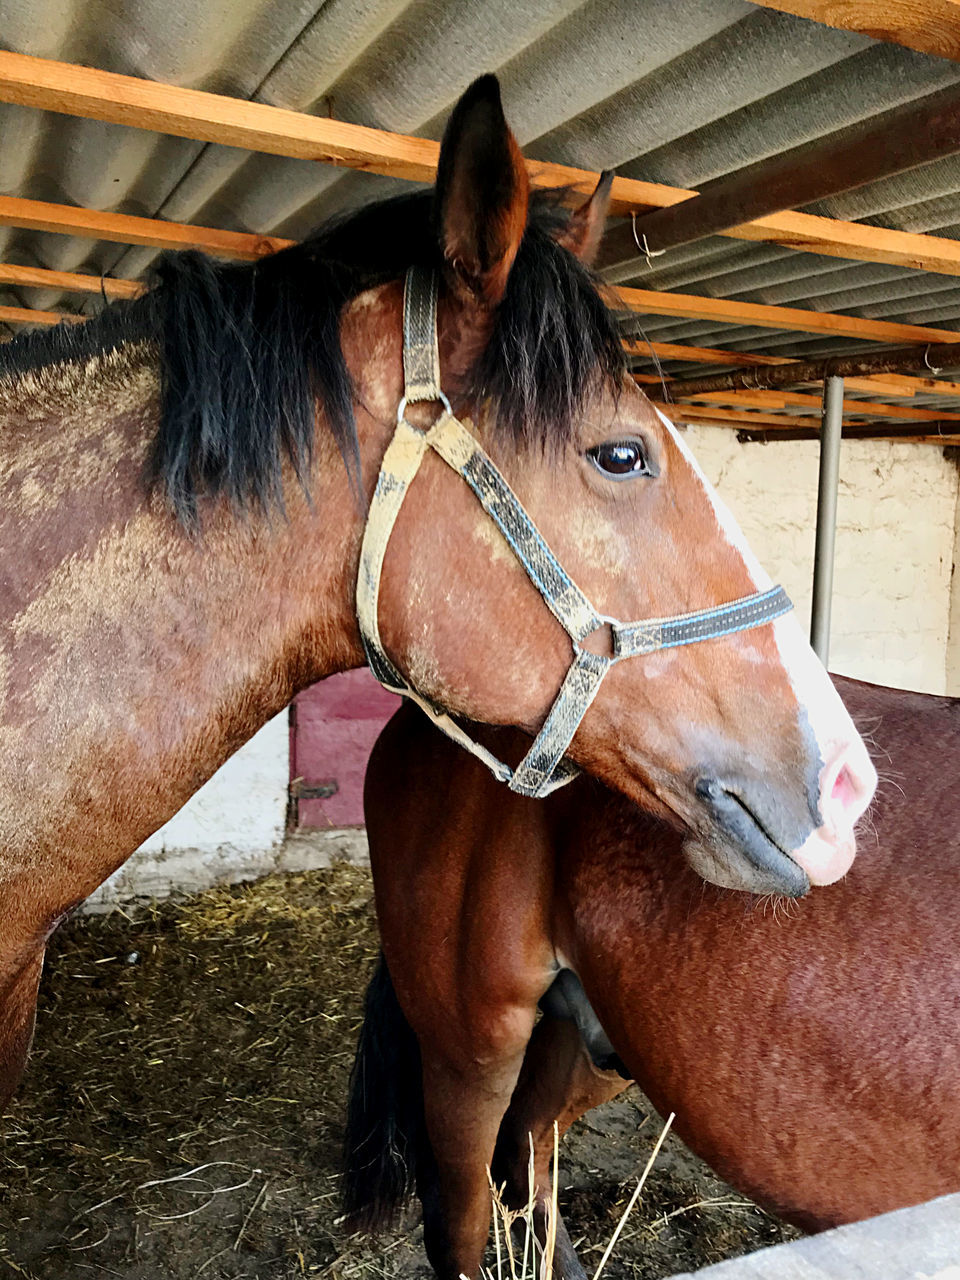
{"points": [[953, 640], [896, 521], [897, 525]]}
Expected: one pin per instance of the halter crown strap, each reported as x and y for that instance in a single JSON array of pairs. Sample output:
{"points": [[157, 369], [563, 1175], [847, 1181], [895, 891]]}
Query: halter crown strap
{"points": [[421, 354], [544, 767]]}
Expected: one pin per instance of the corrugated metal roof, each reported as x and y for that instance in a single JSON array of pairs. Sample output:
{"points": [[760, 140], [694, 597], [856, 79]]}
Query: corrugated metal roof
{"points": [[677, 91]]}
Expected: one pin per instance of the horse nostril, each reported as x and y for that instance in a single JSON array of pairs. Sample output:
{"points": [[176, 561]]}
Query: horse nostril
{"points": [[847, 784], [847, 788], [843, 788]]}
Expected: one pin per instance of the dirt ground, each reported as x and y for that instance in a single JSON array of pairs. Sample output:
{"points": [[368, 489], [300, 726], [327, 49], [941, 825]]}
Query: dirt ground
{"points": [[181, 1114]]}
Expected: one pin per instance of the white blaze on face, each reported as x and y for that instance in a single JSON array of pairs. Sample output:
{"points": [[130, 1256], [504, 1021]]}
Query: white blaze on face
{"points": [[847, 777]]}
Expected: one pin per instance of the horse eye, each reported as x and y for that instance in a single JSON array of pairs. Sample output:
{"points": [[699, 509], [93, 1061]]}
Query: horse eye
{"points": [[621, 459]]}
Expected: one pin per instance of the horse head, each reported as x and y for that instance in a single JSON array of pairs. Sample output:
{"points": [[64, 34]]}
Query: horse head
{"points": [[733, 731]]}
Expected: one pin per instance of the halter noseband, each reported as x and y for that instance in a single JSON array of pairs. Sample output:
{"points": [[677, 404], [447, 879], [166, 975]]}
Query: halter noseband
{"points": [[544, 768]]}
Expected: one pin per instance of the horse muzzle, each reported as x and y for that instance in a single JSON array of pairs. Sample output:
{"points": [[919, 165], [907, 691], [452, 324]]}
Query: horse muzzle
{"points": [[789, 845], [771, 868]]}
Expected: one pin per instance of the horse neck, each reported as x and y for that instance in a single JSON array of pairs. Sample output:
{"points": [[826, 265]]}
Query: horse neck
{"points": [[135, 656]]}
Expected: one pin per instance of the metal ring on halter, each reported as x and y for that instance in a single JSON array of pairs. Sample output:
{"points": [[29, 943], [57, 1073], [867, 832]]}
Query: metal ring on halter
{"points": [[402, 406], [544, 767]]}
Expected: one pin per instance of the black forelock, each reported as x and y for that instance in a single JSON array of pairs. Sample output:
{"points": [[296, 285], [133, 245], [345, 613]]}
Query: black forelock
{"points": [[248, 351], [553, 337]]}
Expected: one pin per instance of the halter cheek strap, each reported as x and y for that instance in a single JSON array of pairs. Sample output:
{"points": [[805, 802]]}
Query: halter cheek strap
{"points": [[544, 768]]}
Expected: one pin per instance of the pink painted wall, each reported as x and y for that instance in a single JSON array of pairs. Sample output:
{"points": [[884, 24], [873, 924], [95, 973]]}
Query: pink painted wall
{"points": [[333, 728]]}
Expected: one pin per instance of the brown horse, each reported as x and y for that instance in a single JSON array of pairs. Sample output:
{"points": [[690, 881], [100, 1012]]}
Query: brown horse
{"points": [[181, 544], [810, 1054]]}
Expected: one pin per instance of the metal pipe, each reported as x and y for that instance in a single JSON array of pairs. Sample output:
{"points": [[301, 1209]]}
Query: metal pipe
{"points": [[830, 433]]}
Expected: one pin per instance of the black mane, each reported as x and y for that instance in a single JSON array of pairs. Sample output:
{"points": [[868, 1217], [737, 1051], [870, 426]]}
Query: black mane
{"points": [[248, 350]]}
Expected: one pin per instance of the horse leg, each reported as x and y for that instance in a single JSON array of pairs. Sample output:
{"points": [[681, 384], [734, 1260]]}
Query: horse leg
{"points": [[425, 1108], [465, 927], [31, 913], [18, 1005], [463, 1113], [559, 1082]]}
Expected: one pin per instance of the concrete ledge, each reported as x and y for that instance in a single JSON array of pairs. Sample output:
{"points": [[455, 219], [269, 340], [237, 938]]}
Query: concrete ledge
{"points": [[922, 1243], [150, 874], [307, 850]]}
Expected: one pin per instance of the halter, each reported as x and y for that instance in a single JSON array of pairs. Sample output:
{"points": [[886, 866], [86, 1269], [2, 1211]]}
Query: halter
{"points": [[544, 768]]}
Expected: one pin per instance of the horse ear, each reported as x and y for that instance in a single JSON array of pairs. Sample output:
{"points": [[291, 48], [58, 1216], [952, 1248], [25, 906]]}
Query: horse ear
{"points": [[582, 233], [482, 195]]}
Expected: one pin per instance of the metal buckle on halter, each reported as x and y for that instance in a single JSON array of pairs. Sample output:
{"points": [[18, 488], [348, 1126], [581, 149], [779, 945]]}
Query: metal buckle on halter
{"points": [[544, 768]]}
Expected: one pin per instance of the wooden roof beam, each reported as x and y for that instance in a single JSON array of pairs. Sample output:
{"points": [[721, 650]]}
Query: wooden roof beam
{"points": [[707, 414], [728, 311], [888, 385], [873, 386], [123, 228], [208, 117], [914, 134], [22, 315], [932, 355], [46, 217], [765, 428], [929, 26], [851, 408], [925, 386], [791, 319], [851, 431], [68, 281]]}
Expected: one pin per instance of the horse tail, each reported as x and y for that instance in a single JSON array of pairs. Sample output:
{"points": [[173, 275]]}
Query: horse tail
{"points": [[386, 1134]]}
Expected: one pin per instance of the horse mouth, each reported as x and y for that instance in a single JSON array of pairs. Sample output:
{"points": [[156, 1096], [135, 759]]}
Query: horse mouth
{"points": [[744, 831]]}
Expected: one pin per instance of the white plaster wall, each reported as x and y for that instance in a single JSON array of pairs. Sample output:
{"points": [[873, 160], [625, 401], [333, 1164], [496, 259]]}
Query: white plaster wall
{"points": [[231, 829], [895, 540], [953, 640]]}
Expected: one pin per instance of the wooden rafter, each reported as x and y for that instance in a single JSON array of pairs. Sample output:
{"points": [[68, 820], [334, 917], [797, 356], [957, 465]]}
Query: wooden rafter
{"points": [[123, 228], [792, 319], [890, 384], [851, 408], [731, 311], [854, 431], [857, 241], [697, 413], [913, 134], [880, 384], [22, 315], [770, 426], [68, 281], [929, 26], [727, 310], [207, 117], [874, 387], [926, 386], [897, 360], [697, 355]]}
